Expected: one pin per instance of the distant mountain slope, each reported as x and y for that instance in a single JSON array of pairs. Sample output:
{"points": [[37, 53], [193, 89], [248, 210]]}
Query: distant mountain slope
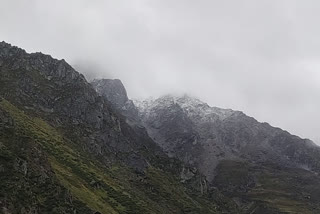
{"points": [[262, 168], [199, 134], [247, 160], [64, 149]]}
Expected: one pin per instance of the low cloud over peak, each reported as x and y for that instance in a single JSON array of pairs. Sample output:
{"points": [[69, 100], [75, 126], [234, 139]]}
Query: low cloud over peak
{"points": [[260, 57]]}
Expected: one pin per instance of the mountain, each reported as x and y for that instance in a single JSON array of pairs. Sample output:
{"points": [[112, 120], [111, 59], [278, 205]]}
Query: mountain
{"points": [[262, 168], [202, 135], [69, 146], [66, 149]]}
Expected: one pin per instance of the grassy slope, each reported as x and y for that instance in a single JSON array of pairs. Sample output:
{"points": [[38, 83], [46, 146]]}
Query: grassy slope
{"points": [[112, 189], [281, 190], [28, 183]]}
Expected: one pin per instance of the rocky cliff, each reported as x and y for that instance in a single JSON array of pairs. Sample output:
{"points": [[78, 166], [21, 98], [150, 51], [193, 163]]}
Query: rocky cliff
{"points": [[115, 92]]}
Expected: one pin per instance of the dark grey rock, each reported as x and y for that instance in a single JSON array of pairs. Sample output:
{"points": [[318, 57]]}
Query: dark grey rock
{"points": [[201, 135], [114, 91]]}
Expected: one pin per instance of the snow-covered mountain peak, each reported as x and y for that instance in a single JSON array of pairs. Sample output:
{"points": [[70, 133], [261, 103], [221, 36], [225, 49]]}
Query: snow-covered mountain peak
{"points": [[193, 107]]}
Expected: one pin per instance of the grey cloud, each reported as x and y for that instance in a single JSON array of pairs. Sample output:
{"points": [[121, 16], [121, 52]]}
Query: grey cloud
{"points": [[261, 57]]}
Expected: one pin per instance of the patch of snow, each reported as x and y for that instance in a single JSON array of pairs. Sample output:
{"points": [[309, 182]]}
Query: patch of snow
{"points": [[193, 107]]}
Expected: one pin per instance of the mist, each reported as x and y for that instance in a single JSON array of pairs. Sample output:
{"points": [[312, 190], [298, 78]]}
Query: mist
{"points": [[260, 57]]}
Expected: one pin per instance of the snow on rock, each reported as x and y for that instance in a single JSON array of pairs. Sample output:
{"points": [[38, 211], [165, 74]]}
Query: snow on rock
{"points": [[193, 107]]}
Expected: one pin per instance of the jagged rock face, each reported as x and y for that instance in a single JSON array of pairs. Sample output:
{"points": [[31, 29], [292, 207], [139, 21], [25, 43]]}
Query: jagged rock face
{"points": [[115, 92], [171, 128], [202, 135], [54, 90]]}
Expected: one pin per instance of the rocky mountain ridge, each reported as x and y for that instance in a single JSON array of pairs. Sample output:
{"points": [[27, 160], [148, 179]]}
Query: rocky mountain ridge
{"points": [[68, 146], [222, 143], [221, 134], [193, 107]]}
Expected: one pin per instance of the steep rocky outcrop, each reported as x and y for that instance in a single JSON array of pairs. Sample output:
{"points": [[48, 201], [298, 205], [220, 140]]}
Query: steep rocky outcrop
{"points": [[115, 92], [55, 91]]}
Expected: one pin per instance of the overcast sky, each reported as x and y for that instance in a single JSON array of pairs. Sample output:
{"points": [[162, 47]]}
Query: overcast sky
{"points": [[258, 56]]}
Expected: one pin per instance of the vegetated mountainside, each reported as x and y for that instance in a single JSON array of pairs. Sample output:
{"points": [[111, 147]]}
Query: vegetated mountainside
{"points": [[262, 168], [65, 150]]}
